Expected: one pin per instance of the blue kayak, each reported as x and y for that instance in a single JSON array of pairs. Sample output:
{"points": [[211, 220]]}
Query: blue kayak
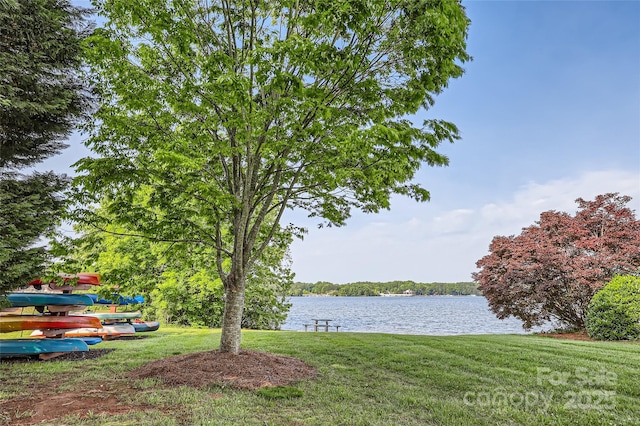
{"points": [[13, 347], [145, 326], [21, 300], [118, 300], [91, 340]]}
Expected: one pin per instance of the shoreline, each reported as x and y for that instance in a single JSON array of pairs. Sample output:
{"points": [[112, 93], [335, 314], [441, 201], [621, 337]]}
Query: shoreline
{"points": [[387, 295]]}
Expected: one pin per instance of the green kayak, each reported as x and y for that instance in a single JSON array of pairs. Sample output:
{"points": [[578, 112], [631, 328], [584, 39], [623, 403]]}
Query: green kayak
{"points": [[115, 315]]}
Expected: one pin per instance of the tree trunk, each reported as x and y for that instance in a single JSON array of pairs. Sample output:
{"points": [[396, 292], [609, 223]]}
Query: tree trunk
{"points": [[232, 318]]}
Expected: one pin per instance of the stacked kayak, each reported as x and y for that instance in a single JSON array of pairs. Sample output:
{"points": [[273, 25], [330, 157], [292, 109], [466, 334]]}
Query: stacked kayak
{"points": [[81, 281], [106, 332], [18, 347], [114, 325], [53, 322], [111, 325], [9, 323], [48, 299], [53, 302], [145, 326], [107, 317], [139, 325], [56, 330], [124, 323], [117, 300]]}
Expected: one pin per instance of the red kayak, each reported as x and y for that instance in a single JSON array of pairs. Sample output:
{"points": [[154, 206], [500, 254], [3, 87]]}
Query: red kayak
{"points": [[84, 282], [107, 332], [10, 323]]}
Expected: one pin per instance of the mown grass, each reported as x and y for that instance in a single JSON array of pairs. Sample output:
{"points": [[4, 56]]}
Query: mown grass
{"points": [[374, 379]]}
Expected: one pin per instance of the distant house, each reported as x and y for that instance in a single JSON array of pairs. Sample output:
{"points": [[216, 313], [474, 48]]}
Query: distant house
{"points": [[404, 293]]}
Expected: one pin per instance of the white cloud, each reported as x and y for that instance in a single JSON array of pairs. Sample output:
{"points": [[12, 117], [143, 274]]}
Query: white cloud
{"points": [[453, 222], [443, 246]]}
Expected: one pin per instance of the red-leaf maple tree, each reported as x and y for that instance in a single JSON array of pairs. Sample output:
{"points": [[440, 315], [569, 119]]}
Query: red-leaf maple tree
{"points": [[552, 269]]}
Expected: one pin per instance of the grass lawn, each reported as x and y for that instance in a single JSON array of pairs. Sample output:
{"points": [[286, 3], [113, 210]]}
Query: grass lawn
{"points": [[365, 379]]}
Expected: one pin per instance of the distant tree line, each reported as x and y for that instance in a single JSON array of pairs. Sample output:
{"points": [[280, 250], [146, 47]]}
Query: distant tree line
{"points": [[366, 288]]}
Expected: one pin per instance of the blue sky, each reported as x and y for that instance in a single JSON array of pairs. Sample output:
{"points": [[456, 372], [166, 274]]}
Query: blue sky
{"points": [[549, 111]]}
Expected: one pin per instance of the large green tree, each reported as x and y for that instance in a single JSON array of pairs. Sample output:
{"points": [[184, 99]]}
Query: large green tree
{"points": [[41, 100], [228, 112]]}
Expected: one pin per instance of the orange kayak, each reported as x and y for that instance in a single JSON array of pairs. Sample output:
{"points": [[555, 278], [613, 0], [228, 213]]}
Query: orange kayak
{"points": [[10, 323]]}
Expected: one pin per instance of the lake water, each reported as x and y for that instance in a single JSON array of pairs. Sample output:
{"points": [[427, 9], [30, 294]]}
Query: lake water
{"points": [[432, 315]]}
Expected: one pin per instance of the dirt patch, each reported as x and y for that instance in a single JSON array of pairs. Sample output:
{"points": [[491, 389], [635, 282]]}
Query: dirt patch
{"points": [[247, 370], [582, 335], [579, 335], [47, 404], [71, 356]]}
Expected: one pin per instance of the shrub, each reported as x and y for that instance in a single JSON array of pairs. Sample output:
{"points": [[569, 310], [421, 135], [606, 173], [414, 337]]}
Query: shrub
{"points": [[614, 311]]}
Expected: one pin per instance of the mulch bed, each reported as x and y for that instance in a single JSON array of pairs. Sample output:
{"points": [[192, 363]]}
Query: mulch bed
{"points": [[247, 370], [580, 335]]}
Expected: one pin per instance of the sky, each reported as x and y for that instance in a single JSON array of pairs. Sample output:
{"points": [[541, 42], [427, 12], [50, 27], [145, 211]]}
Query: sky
{"points": [[549, 111]]}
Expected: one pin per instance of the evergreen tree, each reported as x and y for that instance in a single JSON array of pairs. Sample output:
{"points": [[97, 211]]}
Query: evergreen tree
{"points": [[41, 100]]}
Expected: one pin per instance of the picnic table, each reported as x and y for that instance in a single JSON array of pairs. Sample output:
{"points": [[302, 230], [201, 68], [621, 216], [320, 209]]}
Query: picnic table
{"points": [[321, 323]]}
